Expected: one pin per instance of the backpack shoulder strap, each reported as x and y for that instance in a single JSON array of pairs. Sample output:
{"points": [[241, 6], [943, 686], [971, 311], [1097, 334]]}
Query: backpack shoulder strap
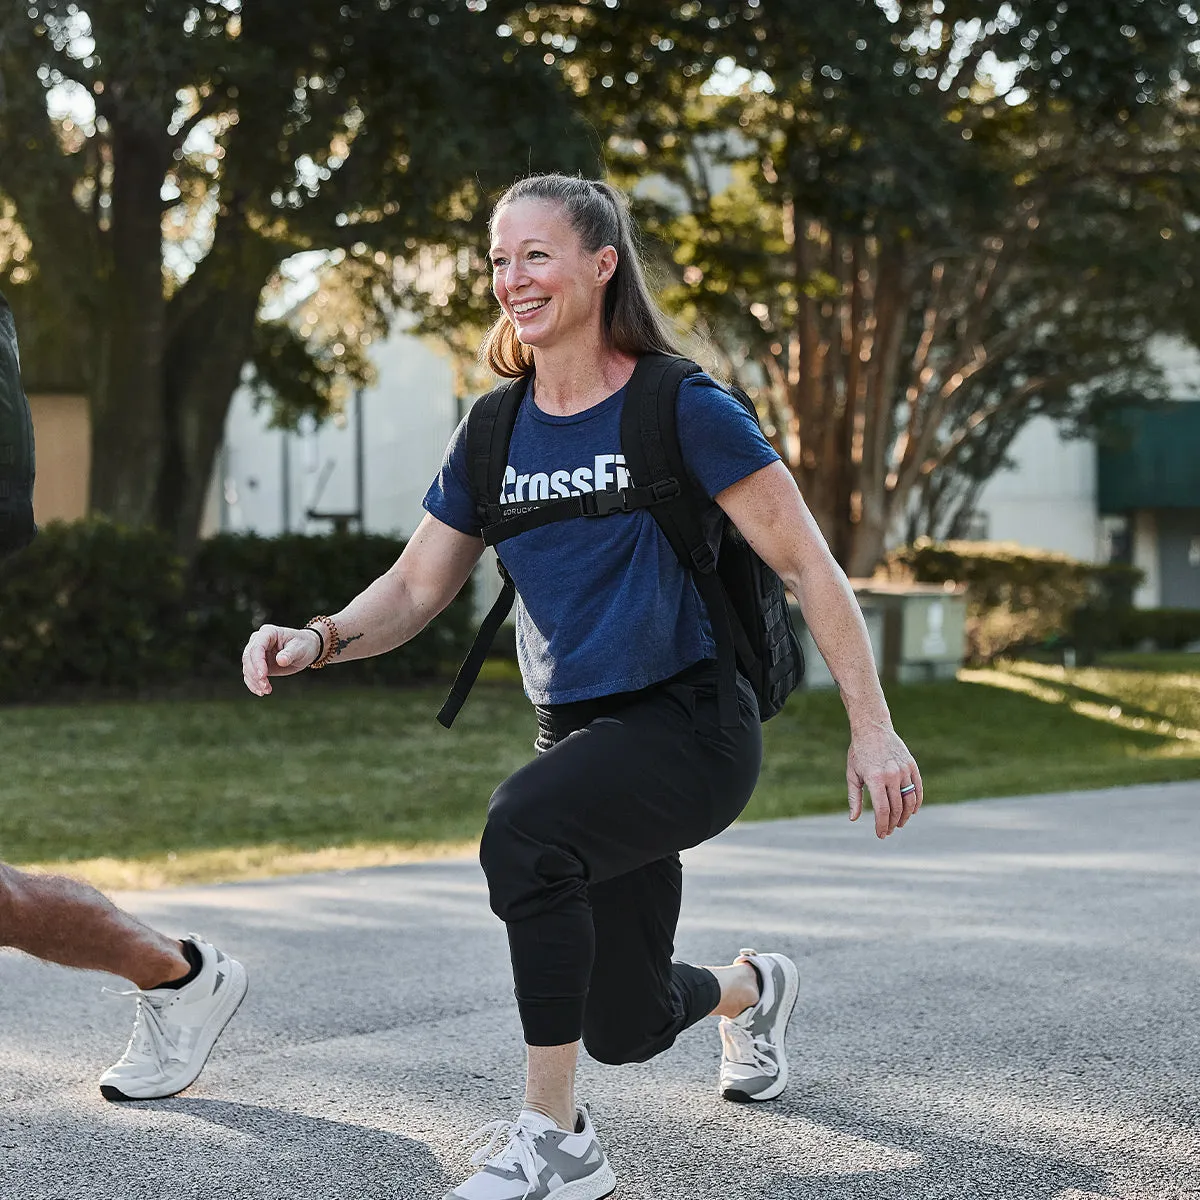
{"points": [[650, 442], [489, 433], [490, 426]]}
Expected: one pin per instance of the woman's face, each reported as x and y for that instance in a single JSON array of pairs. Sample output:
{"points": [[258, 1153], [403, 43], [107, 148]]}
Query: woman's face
{"points": [[547, 284]]}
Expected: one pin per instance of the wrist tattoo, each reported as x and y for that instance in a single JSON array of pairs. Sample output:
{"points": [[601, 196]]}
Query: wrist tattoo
{"points": [[343, 642]]}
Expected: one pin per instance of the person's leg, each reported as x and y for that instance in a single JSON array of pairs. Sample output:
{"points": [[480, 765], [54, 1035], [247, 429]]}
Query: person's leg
{"points": [[550, 1082], [740, 989], [639, 999], [635, 786], [629, 790], [64, 921], [186, 991]]}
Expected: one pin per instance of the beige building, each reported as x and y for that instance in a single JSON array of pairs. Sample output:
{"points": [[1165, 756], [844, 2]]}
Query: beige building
{"points": [[62, 433]]}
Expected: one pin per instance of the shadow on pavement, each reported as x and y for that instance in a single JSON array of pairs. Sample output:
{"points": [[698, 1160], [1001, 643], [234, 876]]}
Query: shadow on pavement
{"points": [[949, 1168], [310, 1154]]}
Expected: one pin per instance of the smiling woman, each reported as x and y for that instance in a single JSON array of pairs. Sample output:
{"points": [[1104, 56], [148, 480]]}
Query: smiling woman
{"points": [[555, 242], [650, 742]]}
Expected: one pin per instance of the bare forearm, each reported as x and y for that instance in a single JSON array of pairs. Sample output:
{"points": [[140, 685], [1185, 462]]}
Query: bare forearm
{"points": [[381, 617], [835, 620], [432, 570], [769, 510]]}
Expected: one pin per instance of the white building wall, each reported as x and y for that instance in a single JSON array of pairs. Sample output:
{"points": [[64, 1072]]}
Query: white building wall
{"points": [[411, 414], [268, 479], [1145, 558], [1181, 366], [1048, 498]]}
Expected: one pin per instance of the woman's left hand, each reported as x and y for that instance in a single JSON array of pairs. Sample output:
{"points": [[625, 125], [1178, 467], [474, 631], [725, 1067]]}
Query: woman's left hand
{"points": [[879, 760]]}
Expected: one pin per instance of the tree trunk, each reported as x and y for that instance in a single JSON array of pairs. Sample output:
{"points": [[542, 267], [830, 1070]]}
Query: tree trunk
{"points": [[127, 398], [866, 540], [212, 340]]}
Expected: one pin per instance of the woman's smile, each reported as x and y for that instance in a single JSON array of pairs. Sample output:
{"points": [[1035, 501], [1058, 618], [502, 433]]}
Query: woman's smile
{"points": [[526, 308]]}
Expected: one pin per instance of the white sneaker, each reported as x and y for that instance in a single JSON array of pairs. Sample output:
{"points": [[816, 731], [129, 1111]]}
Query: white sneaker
{"points": [[754, 1061], [531, 1158], [175, 1029]]}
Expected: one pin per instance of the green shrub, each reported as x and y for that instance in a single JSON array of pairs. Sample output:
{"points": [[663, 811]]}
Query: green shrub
{"points": [[241, 580], [1166, 628], [1017, 597], [91, 604]]}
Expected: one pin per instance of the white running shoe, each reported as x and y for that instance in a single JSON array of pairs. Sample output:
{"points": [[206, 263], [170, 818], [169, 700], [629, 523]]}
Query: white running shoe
{"points": [[753, 1060], [175, 1029], [531, 1158]]}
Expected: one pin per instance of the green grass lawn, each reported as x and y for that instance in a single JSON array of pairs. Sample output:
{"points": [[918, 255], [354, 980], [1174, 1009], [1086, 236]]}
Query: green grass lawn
{"points": [[153, 793]]}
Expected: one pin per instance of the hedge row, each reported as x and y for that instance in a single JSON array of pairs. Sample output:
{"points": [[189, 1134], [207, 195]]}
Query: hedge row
{"points": [[1138, 628], [1018, 597], [93, 605]]}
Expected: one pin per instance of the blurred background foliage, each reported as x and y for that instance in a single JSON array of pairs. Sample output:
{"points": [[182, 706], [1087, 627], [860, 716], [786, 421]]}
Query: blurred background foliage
{"points": [[1020, 599], [94, 609], [906, 228]]}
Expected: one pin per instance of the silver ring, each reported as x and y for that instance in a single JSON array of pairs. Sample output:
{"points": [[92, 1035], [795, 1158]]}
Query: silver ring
{"points": [[912, 787]]}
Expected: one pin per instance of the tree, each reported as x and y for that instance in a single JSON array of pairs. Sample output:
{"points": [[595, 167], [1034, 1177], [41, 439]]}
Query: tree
{"points": [[163, 158], [908, 226]]}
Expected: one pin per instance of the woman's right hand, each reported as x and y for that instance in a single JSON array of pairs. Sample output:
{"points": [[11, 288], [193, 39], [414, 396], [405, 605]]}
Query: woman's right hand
{"points": [[277, 650]]}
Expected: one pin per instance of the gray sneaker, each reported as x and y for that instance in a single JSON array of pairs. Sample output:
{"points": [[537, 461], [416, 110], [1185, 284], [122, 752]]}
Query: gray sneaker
{"points": [[753, 1060], [532, 1159]]}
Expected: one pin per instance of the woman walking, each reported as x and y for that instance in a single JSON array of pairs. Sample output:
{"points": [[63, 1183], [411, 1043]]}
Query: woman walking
{"points": [[581, 846]]}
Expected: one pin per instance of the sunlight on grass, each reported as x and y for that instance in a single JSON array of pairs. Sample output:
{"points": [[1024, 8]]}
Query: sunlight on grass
{"points": [[268, 860], [168, 792], [1103, 695]]}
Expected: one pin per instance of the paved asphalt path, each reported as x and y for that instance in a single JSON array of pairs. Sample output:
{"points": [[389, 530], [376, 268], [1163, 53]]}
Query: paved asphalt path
{"points": [[1001, 1002]]}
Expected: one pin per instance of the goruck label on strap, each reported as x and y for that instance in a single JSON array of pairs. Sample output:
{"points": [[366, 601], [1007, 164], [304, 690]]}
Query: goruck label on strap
{"points": [[16, 444]]}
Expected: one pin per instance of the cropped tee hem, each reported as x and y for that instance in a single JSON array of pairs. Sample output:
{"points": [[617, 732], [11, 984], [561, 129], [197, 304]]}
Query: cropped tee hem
{"points": [[631, 683]]}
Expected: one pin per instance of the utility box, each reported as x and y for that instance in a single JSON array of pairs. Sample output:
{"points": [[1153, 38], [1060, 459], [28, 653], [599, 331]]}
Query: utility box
{"points": [[925, 628], [918, 631], [816, 673]]}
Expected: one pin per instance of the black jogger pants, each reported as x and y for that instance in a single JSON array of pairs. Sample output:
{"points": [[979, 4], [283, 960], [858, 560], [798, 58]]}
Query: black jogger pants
{"points": [[581, 852]]}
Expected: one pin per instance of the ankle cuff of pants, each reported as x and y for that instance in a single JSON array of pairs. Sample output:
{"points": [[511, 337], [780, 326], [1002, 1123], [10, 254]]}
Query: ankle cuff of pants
{"points": [[698, 990], [694, 993], [552, 1022]]}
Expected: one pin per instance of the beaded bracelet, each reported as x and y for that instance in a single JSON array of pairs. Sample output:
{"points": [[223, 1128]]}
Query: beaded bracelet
{"points": [[320, 638], [328, 646]]}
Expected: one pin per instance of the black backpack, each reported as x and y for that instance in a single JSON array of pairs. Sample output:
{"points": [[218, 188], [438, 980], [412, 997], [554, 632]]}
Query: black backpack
{"points": [[16, 444], [746, 600]]}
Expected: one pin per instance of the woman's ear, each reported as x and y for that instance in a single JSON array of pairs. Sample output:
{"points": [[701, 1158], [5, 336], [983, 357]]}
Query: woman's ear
{"points": [[606, 264]]}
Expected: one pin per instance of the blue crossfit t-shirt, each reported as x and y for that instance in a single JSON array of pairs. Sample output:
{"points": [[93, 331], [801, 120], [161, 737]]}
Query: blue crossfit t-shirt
{"points": [[603, 605]]}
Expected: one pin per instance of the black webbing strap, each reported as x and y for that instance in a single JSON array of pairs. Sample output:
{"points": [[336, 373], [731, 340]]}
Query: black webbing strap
{"points": [[489, 432], [650, 443], [534, 514], [468, 673]]}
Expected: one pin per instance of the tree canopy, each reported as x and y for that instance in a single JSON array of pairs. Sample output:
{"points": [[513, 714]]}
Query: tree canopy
{"points": [[162, 158], [908, 226]]}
